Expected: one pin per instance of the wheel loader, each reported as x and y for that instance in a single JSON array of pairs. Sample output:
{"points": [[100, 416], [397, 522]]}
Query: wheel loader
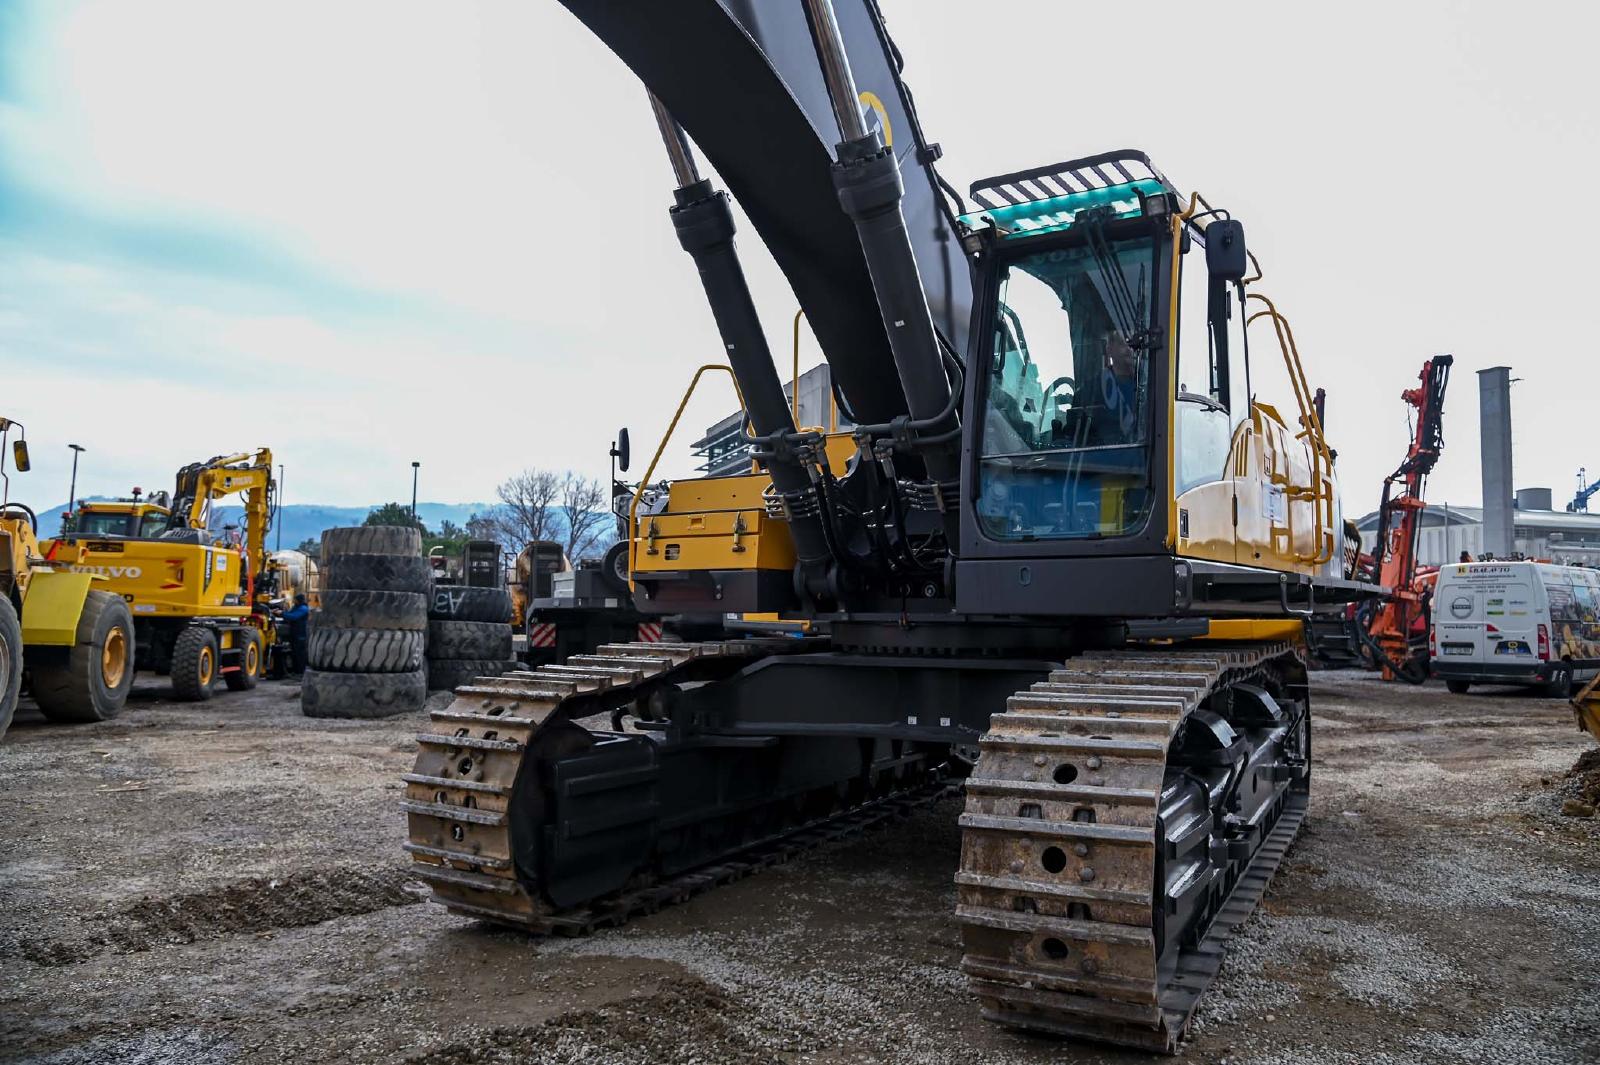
{"points": [[71, 639], [201, 601], [1063, 560]]}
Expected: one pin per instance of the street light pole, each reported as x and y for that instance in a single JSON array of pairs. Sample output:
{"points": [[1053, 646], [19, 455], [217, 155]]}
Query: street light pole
{"points": [[72, 492], [415, 466], [277, 517]]}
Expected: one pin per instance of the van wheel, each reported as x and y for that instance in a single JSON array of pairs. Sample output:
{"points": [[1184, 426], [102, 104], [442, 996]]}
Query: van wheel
{"points": [[1559, 686], [1457, 687]]}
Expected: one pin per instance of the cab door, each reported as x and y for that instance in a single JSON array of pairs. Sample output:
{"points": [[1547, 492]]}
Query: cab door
{"points": [[1210, 412]]}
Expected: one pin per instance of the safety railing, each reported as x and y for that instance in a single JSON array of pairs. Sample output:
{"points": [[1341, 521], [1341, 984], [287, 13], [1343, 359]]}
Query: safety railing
{"points": [[1320, 491], [633, 507]]}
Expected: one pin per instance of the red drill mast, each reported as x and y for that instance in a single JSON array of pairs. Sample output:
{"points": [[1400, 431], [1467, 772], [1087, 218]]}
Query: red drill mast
{"points": [[1389, 630]]}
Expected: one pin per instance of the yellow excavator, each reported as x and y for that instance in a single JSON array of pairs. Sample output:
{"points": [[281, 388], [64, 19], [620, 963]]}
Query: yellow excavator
{"points": [[72, 638], [1063, 558], [201, 600]]}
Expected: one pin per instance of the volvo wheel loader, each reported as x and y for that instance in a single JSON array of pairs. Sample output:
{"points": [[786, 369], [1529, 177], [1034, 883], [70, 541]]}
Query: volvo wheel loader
{"points": [[59, 628], [1064, 558], [202, 602]]}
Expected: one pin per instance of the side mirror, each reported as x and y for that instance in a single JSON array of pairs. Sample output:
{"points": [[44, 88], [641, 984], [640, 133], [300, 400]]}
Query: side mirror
{"points": [[19, 456], [1225, 252], [621, 450]]}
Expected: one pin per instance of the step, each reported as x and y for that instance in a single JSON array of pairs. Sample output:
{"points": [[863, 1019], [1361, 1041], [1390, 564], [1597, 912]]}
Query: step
{"points": [[470, 815], [448, 855]]}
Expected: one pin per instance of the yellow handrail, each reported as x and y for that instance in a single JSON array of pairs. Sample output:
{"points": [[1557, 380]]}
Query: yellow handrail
{"points": [[633, 507], [795, 387], [1321, 484]]}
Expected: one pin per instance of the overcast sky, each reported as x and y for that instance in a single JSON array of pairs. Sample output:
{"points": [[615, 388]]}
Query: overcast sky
{"points": [[367, 233]]}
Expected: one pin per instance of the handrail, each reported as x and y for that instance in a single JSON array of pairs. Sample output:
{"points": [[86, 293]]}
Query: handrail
{"points": [[795, 385], [1321, 483], [633, 507]]}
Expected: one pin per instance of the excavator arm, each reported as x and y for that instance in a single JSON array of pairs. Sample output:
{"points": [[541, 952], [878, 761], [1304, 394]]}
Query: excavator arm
{"points": [[248, 473]]}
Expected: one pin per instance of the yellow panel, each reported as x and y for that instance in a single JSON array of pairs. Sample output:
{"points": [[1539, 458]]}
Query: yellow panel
{"points": [[716, 493], [1206, 511], [52, 606], [1256, 629], [708, 541], [160, 578]]}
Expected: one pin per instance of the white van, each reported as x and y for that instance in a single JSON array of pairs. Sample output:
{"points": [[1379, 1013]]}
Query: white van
{"points": [[1516, 623]]}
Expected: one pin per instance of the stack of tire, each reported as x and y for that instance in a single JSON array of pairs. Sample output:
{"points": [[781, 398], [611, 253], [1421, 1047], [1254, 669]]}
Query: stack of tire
{"points": [[469, 635], [367, 641]]}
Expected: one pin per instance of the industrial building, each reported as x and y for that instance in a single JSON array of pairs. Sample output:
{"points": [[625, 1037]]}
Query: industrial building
{"points": [[1537, 531]]}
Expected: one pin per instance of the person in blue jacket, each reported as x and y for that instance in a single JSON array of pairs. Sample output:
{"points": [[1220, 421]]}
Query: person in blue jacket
{"points": [[299, 619]]}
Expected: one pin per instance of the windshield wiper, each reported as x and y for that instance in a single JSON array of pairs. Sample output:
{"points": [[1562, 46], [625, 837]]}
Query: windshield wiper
{"points": [[1128, 311]]}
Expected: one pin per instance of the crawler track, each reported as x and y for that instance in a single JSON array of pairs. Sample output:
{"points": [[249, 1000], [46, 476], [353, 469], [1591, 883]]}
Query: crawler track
{"points": [[1061, 889], [459, 794]]}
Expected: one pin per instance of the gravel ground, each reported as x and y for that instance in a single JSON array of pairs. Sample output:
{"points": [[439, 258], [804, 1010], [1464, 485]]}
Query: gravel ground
{"points": [[223, 882]]}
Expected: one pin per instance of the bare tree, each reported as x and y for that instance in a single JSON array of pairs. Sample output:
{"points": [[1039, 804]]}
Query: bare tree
{"points": [[585, 511], [527, 509]]}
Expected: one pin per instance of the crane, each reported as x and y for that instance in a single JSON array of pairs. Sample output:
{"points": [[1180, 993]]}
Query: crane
{"points": [[1039, 562], [1388, 625], [1586, 491]]}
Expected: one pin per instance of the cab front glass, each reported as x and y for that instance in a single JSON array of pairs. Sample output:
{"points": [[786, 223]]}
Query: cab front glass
{"points": [[1066, 435]]}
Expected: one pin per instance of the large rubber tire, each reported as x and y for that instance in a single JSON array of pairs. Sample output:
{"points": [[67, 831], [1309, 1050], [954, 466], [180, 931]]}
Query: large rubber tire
{"points": [[379, 573], [10, 662], [448, 674], [458, 602], [1458, 687], [479, 640], [252, 661], [361, 694], [614, 568], [93, 681], [194, 664], [371, 540], [364, 650], [351, 608]]}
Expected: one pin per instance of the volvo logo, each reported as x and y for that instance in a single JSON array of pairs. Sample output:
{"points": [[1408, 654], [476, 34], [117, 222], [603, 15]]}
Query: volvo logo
{"points": [[131, 573]]}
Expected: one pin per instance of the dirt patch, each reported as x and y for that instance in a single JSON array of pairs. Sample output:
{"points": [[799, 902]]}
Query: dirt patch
{"points": [[686, 1020], [1582, 781], [256, 905]]}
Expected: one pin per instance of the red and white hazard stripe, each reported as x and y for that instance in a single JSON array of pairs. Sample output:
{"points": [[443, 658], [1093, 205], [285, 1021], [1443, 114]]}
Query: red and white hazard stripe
{"points": [[541, 634], [649, 632]]}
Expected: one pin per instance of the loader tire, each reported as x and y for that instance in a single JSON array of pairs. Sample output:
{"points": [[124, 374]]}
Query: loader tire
{"points": [[448, 674], [458, 602], [10, 662], [475, 640], [379, 573], [364, 650], [194, 664], [361, 695], [614, 569], [371, 540], [252, 661], [91, 683], [354, 609]]}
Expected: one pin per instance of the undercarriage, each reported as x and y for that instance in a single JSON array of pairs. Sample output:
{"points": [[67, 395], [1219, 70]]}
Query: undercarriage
{"points": [[1124, 807]]}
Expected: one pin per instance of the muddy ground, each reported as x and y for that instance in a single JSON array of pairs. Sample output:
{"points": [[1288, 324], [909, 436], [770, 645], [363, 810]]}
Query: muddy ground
{"points": [[223, 882]]}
